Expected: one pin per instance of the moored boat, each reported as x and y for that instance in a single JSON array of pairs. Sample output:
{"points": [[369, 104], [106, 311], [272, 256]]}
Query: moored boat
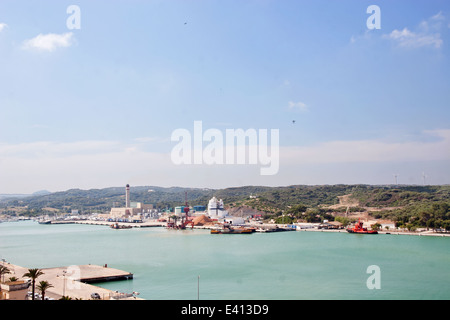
{"points": [[120, 226], [230, 230], [359, 229]]}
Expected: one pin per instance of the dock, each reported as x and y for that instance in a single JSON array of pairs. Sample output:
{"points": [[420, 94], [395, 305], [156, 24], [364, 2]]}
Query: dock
{"points": [[274, 229], [148, 224], [75, 281]]}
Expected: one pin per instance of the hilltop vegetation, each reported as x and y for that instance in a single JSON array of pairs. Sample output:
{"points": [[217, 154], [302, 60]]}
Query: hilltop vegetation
{"points": [[400, 196], [413, 207], [102, 200], [408, 206]]}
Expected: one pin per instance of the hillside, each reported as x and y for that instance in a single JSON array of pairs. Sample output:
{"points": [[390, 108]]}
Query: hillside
{"points": [[412, 206], [267, 198], [104, 199]]}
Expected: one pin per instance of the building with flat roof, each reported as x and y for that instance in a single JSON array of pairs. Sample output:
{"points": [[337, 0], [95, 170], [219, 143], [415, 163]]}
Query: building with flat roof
{"points": [[200, 208], [14, 290]]}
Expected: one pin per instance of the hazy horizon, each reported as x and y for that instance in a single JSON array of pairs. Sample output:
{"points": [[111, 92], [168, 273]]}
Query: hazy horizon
{"points": [[92, 93], [205, 188]]}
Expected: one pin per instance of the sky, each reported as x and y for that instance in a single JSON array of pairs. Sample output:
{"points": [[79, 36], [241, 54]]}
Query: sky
{"points": [[90, 97]]}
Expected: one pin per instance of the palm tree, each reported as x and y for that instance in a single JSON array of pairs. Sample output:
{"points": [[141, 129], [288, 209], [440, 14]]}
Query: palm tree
{"points": [[43, 286], [33, 274], [3, 270]]}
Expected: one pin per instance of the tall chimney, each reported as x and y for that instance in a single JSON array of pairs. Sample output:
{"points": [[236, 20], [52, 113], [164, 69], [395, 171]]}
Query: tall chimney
{"points": [[127, 196]]}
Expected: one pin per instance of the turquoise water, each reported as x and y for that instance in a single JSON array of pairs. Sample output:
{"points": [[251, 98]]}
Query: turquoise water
{"points": [[274, 266]]}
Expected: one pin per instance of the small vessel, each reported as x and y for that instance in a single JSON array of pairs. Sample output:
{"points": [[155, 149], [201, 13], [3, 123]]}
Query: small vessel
{"points": [[230, 230], [120, 226], [279, 229], [358, 228], [274, 229], [45, 222]]}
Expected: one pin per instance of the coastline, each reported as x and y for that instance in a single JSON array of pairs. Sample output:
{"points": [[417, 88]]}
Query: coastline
{"points": [[425, 233], [152, 223], [72, 281]]}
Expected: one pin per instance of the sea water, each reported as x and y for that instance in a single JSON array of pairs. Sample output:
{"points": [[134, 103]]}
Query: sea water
{"points": [[191, 264]]}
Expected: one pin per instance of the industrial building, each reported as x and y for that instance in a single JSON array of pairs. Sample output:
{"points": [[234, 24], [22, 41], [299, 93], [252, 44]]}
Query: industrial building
{"points": [[199, 208], [217, 212], [216, 209], [132, 210]]}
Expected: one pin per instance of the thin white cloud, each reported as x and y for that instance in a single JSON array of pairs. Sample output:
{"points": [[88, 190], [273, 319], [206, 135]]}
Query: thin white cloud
{"points": [[426, 35], [300, 106], [371, 151], [407, 38], [54, 149], [367, 35], [327, 152], [49, 42], [3, 26], [151, 139], [438, 16], [83, 164]]}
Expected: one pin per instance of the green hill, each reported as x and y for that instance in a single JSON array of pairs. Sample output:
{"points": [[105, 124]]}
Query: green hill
{"points": [[411, 206]]}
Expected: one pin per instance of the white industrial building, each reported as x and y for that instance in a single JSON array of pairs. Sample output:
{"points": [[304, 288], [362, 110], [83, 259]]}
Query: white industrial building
{"points": [[217, 211]]}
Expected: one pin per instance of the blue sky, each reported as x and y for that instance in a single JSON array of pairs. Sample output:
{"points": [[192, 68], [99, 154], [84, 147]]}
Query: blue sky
{"points": [[96, 106]]}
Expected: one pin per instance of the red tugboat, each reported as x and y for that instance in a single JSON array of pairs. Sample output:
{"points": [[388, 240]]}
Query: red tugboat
{"points": [[358, 228]]}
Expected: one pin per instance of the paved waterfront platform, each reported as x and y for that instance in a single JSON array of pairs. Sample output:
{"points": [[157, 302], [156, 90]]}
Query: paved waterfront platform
{"points": [[147, 224], [72, 281]]}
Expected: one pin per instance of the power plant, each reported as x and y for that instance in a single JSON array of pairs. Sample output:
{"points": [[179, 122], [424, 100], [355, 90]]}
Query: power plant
{"points": [[132, 210]]}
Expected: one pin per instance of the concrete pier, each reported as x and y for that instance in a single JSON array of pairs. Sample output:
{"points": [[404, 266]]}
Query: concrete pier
{"points": [[72, 281], [148, 224]]}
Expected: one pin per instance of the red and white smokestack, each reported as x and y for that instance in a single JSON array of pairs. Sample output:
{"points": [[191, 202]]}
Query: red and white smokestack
{"points": [[127, 196]]}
